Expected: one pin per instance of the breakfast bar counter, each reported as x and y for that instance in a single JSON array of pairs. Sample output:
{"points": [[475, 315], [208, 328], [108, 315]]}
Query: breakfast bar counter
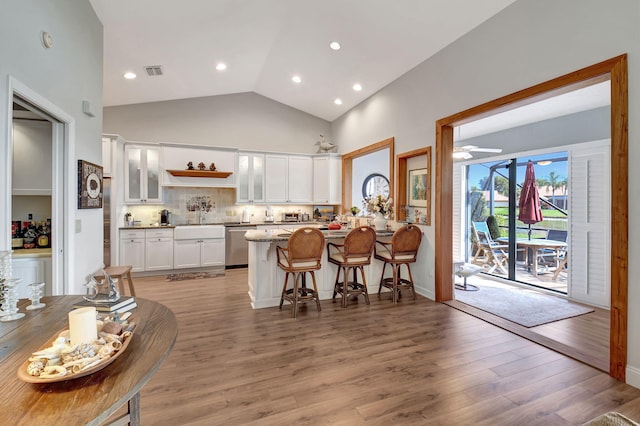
{"points": [[266, 278]]}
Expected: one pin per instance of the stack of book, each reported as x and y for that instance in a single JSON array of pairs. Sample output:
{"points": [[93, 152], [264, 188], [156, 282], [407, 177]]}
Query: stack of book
{"points": [[122, 304]]}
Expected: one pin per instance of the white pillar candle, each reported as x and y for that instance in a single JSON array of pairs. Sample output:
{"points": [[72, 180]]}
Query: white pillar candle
{"points": [[82, 325]]}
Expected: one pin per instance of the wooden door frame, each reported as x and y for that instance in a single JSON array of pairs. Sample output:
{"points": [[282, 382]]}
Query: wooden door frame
{"points": [[347, 169], [616, 70], [401, 194]]}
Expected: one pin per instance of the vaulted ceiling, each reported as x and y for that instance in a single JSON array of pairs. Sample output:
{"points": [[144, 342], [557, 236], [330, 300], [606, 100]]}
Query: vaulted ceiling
{"points": [[264, 43]]}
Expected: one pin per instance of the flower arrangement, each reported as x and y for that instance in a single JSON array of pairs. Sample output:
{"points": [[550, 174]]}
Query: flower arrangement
{"points": [[379, 204]]}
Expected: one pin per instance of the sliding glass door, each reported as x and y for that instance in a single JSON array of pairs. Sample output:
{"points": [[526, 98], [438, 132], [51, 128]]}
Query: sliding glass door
{"points": [[513, 243]]}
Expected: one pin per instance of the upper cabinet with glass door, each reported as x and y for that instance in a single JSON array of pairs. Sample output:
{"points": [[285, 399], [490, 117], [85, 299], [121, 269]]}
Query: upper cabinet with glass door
{"points": [[142, 174], [250, 178]]}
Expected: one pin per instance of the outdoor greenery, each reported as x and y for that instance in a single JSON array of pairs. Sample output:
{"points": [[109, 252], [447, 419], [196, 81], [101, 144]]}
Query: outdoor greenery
{"points": [[494, 228]]}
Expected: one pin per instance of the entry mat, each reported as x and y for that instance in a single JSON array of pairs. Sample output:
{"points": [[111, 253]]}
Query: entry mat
{"points": [[525, 307], [193, 275]]}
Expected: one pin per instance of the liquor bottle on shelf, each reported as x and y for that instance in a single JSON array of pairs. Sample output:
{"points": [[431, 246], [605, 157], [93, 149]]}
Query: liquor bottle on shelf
{"points": [[43, 236], [29, 235]]}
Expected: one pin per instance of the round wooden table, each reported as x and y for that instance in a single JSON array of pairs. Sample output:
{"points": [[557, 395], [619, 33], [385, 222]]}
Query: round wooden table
{"points": [[86, 400]]}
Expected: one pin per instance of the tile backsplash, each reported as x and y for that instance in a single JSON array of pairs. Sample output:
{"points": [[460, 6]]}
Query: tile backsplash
{"points": [[214, 204]]}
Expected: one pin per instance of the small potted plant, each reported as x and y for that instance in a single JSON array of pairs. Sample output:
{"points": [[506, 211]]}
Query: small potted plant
{"points": [[354, 210]]}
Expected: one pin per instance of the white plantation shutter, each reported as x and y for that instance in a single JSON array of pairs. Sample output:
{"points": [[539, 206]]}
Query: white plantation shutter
{"points": [[590, 224], [459, 213]]}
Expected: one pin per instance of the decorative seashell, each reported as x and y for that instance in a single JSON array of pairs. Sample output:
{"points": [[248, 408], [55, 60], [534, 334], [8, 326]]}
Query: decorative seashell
{"points": [[110, 337], [83, 351], [53, 371], [112, 328], [106, 350], [35, 367], [92, 364]]}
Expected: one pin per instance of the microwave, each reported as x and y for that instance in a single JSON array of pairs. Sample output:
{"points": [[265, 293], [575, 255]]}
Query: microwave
{"points": [[291, 217]]}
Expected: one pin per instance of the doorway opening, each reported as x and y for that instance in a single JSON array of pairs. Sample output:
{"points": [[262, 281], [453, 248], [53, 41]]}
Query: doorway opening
{"points": [[614, 69], [53, 194], [541, 244]]}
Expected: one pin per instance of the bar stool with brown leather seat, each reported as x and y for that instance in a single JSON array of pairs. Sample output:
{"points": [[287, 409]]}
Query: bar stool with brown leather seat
{"points": [[303, 254], [353, 255], [402, 250]]}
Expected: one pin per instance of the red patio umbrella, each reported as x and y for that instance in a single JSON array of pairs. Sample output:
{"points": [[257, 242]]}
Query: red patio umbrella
{"points": [[529, 203]]}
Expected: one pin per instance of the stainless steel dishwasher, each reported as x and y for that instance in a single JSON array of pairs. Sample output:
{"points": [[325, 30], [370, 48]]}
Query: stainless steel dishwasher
{"points": [[237, 248]]}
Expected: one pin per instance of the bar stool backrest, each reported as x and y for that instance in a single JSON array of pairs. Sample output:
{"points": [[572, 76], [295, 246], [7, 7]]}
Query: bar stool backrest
{"points": [[406, 242], [306, 245], [359, 243]]}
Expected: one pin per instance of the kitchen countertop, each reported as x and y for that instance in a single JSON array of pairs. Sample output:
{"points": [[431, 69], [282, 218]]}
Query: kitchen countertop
{"points": [[148, 227], [229, 224], [283, 235], [35, 252]]}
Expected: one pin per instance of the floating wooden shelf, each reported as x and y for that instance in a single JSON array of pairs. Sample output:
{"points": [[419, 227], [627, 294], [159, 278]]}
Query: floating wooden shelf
{"points": [[200, 173]]}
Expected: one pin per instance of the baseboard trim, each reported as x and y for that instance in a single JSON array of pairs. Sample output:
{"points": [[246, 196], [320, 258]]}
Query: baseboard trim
{"points": [[633, 376]]}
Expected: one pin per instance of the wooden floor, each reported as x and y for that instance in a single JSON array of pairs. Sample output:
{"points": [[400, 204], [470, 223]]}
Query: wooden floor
{"points": [[585, 337], [415, 363]]}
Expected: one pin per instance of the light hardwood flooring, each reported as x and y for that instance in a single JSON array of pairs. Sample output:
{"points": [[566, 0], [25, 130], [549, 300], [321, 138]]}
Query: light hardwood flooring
{"points": [[418, 362], [585, 337]]}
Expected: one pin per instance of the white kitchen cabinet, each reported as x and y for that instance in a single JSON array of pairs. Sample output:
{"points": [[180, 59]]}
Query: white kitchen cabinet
{"points": [[142, 174], [31, 270], [212, 252], [327, 179], [107, 145], [158, 249], [186, 254], [198, 246], [198, 253], [251, 178], [132, 249], [288, 178]]}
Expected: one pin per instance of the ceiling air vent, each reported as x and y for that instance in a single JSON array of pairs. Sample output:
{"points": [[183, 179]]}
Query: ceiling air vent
{"points": [[153, 70]]}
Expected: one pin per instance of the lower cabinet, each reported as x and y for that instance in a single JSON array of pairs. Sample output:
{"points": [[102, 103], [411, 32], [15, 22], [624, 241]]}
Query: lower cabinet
{"points": [[31, 270], [132, 248], [146, 249], [198, 253], [158, 250]]}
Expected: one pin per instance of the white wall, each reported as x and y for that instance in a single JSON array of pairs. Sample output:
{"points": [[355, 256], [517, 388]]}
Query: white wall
{"points": [[243, 120], [376, 162], [527, 43], [65, 75]]}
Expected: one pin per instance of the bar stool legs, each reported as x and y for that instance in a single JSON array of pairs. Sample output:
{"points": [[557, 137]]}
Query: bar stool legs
{"points": [[299, 293], [350, 288], [396, 282]]}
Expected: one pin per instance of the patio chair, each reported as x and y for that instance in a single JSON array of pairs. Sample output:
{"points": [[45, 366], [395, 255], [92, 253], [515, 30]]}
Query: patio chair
{"points": [[548, 257], [495, 253]]}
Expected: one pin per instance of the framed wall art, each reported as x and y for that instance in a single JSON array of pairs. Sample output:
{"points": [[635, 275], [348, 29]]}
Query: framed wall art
{"points": [[418, 188], [89, 185]]}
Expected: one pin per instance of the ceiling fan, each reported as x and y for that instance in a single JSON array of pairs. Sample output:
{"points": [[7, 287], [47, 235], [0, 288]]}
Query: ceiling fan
{"points": [[464, 152]]}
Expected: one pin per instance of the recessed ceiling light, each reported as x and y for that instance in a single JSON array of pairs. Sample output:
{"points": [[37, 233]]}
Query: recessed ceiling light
{"points": [[129, 75], [296, 79], [338, 101], [334, 45], [357, 87], [221, 66]]}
